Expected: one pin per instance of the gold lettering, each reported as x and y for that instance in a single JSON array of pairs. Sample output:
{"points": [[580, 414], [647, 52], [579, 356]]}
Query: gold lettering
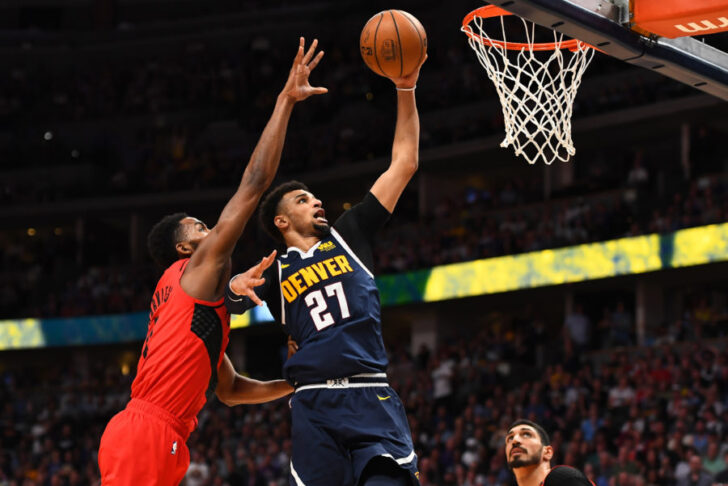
{"points": [[288, 291], [295, 279], [343, 263], [319, 267], [309, 276], [332, 268]]}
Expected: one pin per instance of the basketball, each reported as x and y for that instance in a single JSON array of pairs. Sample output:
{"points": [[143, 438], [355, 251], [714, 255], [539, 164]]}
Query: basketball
{"points": [[393, 43]]}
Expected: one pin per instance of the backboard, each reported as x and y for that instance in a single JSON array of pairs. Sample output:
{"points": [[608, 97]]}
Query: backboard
{"points": [[605, 24]]}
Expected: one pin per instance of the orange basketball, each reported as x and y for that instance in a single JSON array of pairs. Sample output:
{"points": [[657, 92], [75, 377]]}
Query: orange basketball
{"points": [[393, 43]]}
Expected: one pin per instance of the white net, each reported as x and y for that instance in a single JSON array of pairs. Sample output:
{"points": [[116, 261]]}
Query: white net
{"points": [[536, 87]]}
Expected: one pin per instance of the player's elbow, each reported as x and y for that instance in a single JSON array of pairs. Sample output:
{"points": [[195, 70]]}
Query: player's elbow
{"points": [[411, 166], [225, 397], [407, 165]]}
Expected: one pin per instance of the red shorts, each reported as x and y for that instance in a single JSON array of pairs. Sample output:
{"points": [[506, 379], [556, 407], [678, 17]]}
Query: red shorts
{"points": [[143, 445]]}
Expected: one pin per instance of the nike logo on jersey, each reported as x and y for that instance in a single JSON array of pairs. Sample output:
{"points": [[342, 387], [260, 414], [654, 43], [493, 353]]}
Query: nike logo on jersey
{"points": [[381, 399], [285, 265], [297, 283]]}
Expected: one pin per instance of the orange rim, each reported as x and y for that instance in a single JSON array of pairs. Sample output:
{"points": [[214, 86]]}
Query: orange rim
{"points": [[490, 11]]}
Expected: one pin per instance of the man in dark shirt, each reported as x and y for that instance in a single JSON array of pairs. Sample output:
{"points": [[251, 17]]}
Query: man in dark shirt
{"points": [[697, 475]]}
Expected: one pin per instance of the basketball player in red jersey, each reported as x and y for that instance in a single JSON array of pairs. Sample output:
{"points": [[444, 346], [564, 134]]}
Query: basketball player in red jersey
{"points": [[183, 359], [529, 453]]}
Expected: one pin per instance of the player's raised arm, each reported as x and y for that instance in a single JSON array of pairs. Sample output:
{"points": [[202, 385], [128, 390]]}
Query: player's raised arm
{"points": [[204, 272], [405, 149]]}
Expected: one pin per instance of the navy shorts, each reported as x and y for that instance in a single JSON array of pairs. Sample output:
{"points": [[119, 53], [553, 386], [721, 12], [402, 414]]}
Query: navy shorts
{"points": [[337, 431]]}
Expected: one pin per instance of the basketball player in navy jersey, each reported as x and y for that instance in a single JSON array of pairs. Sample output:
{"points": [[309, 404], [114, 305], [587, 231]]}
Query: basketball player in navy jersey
{"points": [[183, 359], [349, 426], [529, 452]]}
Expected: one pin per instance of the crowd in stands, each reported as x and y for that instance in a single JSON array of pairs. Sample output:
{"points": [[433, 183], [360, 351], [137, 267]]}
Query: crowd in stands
{"points": [[482, 223], [40, 277], [170, 122], [626, 416], [183, 122]]}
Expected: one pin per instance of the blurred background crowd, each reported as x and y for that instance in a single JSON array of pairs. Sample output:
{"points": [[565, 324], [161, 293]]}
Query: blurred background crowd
{"points": [[625, 415], [89, 129], [115, 113]]}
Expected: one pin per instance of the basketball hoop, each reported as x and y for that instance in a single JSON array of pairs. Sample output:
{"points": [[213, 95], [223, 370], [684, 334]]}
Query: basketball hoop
{"points": [[536, 88]]}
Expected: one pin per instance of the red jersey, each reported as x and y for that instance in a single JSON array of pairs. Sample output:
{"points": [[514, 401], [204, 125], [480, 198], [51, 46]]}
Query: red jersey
{"points": [[185, 344]]}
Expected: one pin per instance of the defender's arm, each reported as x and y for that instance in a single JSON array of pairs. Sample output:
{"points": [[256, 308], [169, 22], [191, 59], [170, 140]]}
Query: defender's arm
{"points": [[202, 276], [233, 389]]}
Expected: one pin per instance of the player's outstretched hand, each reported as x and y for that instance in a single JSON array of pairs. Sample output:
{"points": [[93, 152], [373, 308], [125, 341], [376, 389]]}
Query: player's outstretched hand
{"points": [[245, 283], [298, 87], [409, 81]]}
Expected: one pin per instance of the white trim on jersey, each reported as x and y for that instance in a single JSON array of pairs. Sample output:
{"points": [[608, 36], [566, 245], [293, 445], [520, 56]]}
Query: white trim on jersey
{"points": [[339, 386], [304, 254], [295, 476], [403, 460], [406, 460], [280, 289], [340, 239], [369, 375]]}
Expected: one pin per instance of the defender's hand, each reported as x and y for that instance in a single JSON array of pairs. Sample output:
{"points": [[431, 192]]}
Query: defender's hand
{"points": [[297, 87], [245, 283]]}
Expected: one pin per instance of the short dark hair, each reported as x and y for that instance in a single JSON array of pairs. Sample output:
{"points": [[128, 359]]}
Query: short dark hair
{"points": [[162, 239], [545, 440], [269, 207]]}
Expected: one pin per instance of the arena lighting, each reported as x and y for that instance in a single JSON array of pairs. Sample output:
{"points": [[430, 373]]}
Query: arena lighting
{"points": [[624, 256], [256, 315]]}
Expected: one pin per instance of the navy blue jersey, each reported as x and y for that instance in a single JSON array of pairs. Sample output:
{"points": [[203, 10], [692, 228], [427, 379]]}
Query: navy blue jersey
{"points": [[327, 300]]}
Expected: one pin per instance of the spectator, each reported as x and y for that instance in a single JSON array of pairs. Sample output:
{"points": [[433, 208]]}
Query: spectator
{"points": [[713, 461], [578, 328], [722, 476], [621, 326], [697, 476]]}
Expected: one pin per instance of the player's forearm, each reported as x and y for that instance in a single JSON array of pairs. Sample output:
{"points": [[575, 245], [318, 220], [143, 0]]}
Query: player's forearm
{"points": [[258, 175], [263, 164], [405, 149], [248, 391], [261, 169]]}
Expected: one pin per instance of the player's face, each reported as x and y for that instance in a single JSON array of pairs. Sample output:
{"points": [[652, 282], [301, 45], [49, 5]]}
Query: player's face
{"points": [[305, 214], [193, 231], [523, 447]]}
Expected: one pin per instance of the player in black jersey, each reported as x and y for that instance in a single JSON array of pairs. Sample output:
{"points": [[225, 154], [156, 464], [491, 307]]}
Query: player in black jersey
{"points": [[529, 454]]}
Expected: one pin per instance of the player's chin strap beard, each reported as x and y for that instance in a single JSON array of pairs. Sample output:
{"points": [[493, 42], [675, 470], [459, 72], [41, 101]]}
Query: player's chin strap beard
{"points": [[322, 229]]}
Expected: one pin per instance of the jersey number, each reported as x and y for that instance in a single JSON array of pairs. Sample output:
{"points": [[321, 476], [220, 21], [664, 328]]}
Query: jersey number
{"points": [[316, 302]]}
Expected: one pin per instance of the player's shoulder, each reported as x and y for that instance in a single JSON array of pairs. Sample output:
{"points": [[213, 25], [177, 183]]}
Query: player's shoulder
{"points": [[566, 476]]}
